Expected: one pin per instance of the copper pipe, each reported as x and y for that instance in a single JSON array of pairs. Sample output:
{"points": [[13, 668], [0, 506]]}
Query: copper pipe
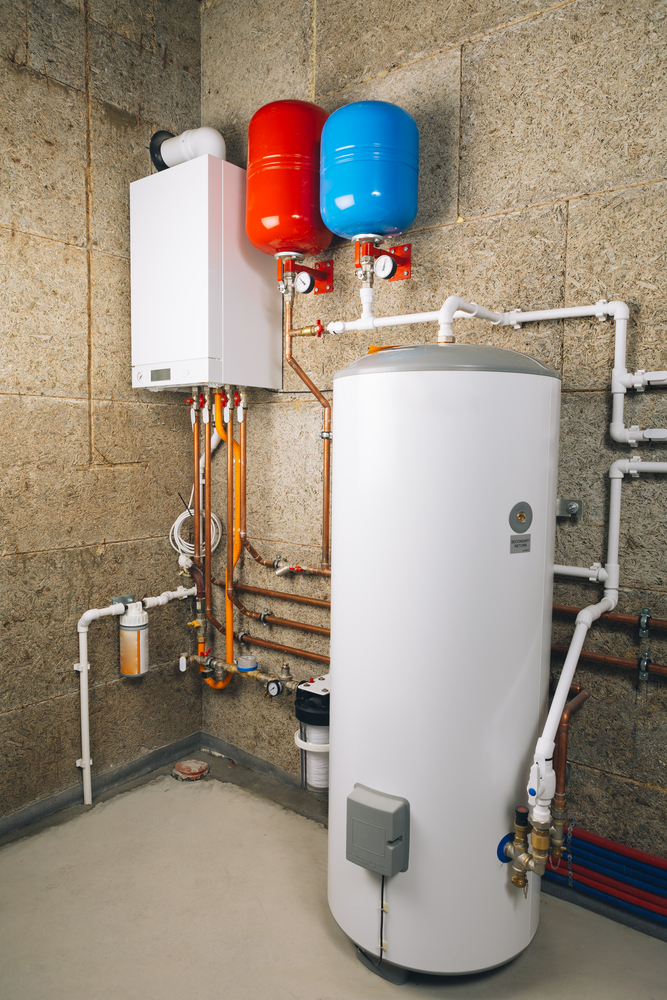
{"points": [[326, 473], [613, 661], [229, 576], [280, 595], [250, 640], [282, 622], [270, 619], [195, 495], [611, 616], [207, 510], [255, 554], [303, 653], [561, 739], [243, 445]]}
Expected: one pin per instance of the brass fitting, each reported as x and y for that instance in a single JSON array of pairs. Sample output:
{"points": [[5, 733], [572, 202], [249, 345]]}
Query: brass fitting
{"points": [[539, 850], [367, 271], [219, 672], [558, 818], [518, 849], [309, 331]]}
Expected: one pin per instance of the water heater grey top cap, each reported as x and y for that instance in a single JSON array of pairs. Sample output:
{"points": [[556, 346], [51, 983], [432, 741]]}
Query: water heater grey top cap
{"points": [[446, 358]]}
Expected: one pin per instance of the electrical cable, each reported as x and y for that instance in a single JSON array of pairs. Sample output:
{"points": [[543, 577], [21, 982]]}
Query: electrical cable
{"points": [[176, 539]]}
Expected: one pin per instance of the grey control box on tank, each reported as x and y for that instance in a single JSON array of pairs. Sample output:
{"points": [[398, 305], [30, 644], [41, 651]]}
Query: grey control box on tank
{"points": [[378, 830]]}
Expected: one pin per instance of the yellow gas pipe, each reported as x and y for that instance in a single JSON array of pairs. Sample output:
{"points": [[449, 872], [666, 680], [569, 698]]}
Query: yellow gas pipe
{"points": [[229, 609]]}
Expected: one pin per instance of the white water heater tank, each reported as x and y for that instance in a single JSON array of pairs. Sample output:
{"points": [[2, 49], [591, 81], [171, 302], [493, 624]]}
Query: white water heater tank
{"points": [[444, 497]]}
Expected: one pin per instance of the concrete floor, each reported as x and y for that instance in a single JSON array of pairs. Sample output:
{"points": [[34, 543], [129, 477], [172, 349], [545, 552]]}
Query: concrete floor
{"points": [[178, 891]]}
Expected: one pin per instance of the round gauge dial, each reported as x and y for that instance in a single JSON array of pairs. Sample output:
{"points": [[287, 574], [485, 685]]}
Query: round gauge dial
{"points": [[274, 688], [385, 266], [304, 282]]}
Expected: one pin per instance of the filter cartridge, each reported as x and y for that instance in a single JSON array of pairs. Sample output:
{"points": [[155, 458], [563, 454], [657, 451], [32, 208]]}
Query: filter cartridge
{"points": [[134, 640], [312, 710]]}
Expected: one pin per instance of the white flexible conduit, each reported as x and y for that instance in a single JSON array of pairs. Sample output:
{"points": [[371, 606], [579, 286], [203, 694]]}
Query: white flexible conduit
{"points": [[83, 666], [176, 539]]}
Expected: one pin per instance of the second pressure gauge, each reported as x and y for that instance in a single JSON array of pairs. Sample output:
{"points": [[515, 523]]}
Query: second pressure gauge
{"points": [[304, 282], [385, 266]]}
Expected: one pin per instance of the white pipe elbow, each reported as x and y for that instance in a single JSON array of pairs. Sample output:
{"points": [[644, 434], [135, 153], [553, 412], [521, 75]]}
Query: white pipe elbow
{"points": [[94, 613], [191, 144], [618, 310], [86, 618], [591, 614], [619, 468]]}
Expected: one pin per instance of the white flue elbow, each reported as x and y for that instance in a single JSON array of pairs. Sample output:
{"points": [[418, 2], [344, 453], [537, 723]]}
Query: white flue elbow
{"points": [[169, 150]]}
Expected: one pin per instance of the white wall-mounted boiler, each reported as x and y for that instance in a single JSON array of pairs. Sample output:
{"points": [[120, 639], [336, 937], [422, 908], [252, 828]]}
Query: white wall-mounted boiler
{"points": [[204, 303]]}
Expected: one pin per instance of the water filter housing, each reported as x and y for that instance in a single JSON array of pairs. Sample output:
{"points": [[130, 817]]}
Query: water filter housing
{"points": [[440, 641], [369, 169]]}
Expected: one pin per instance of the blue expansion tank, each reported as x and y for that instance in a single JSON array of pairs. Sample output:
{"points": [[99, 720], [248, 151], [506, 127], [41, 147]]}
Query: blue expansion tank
{"points": [[369, 169]]}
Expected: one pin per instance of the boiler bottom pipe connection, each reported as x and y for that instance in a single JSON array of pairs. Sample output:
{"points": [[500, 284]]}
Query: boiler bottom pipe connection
{"points": [[527, 858], [221, 668]]}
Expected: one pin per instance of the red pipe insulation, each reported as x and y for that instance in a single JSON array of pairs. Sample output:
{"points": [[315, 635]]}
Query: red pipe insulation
{"points": [[596, 882], [641, 897], [611, 845]]}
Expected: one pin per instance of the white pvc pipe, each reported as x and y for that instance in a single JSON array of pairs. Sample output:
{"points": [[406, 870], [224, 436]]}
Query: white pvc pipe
{"points": [[169, 595], [85, 762], [595, 573], [83, 667], [191, 144], [453, 308]]}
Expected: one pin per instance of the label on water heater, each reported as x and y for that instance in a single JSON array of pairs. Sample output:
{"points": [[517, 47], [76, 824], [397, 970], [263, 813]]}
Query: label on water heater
{"points": [[519, 543]]}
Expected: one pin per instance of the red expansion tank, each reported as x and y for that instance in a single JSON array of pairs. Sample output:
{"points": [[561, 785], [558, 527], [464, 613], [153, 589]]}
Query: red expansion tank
{"points": [[283, 194]]}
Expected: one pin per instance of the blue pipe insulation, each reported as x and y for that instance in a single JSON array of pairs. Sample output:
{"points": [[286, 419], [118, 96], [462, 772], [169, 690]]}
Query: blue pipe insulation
{"points": [[620, 863], [613, 900], [607, 869]]}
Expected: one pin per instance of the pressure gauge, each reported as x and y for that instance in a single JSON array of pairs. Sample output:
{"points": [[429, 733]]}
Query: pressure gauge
{"points": [[304, 282], [274, 688], [385, 266]]}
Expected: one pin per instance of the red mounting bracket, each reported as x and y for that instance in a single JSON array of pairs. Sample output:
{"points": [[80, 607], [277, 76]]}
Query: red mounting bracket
{"points": [[322, 272], [402, 254]]}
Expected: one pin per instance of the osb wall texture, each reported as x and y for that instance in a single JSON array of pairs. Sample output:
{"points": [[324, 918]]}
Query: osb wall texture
{"points": [[90, 467], [543, 184]]}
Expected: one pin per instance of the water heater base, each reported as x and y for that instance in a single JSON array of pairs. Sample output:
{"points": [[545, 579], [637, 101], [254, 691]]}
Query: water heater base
{"points": [[392, 973]]}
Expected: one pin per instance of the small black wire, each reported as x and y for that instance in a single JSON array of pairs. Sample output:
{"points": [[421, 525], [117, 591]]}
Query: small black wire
{"points": [[185, 505], [370, 957]]}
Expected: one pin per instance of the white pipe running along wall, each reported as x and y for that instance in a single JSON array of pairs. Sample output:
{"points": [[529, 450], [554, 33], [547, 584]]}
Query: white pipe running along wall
{"points": [[542, 782], [83, 666], [452, 308], [595, 573], [542, 779]]}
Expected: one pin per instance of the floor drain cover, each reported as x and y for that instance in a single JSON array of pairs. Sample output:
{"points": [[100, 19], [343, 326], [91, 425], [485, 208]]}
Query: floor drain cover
{"points": [[190, 770]]}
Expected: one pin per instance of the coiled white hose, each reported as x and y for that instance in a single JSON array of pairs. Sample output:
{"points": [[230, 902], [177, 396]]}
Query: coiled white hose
{"points": [[176, 539], [187, 548]]}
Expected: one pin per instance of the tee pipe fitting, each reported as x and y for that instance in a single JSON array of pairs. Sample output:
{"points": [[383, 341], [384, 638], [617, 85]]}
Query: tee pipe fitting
{"points": [[527, 858]]}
